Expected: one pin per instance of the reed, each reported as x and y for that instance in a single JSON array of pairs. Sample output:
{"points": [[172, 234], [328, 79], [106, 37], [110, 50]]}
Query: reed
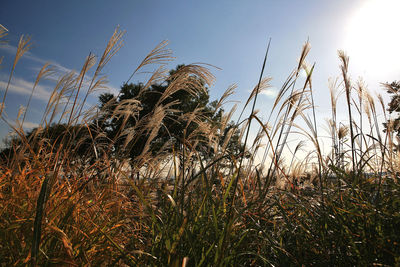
{"points": [[68, 197]]}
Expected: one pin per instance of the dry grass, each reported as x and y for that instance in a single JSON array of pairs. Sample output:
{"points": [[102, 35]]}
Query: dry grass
{"points": [[68, 198]]}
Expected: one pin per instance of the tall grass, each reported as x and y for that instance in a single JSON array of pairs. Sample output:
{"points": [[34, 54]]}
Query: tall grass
{"points": [[68, 198]]}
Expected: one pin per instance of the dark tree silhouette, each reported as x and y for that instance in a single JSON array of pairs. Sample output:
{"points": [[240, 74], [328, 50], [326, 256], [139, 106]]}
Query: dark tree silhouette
{"points": [[394, 105], [176, 126], [108, 133]]}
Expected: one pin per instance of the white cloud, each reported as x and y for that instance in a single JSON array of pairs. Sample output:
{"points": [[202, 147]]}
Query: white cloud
{"points": [[28, 55], [8, 48], [24, 87], [21, 86], [271, 92], [112, 89], [30, 125]]}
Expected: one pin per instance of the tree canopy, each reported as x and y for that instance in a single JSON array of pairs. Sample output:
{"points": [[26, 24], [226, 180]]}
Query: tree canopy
{"points": [[394, 105], [179, 113], [146, 120]]}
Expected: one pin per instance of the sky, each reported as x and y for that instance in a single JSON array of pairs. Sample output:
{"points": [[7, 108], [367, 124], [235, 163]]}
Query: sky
{"points": [[231, 35]]}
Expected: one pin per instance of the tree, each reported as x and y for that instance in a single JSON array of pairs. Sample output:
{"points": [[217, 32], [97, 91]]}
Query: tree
{"points": [[76, 139], [394, 105], [182, 107], [144, 121]]}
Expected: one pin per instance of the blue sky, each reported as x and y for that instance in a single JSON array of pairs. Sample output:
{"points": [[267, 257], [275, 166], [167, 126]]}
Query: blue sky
{"points": [[231, 35]]}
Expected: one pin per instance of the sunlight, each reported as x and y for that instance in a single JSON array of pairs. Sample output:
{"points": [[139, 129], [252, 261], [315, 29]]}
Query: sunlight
{"points": [[372, 40]]}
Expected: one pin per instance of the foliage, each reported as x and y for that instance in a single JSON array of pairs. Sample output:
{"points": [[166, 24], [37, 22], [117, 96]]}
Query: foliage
{"points": [[183, 114], [394, 105], [75, 139]]}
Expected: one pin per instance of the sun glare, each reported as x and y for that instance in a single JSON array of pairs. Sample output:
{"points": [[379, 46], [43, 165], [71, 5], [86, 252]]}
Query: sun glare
{"points": [[373, 39]]}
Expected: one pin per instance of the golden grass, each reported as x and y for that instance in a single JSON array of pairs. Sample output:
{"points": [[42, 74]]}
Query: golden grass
{"points": [[68, 197]]}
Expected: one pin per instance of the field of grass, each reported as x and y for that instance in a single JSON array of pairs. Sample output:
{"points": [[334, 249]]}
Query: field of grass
{"points": [[179, 208]]}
